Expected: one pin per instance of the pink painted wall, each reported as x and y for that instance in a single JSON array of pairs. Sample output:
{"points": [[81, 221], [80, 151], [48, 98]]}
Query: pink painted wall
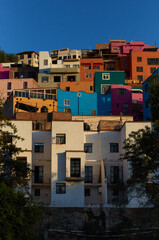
{"points": [[137, 106], [118, 100], [15, 84], [127, 47], [4, 72]]}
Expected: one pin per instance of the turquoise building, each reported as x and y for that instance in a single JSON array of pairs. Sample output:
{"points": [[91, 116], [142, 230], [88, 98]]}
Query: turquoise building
{"points": [[82, 103], [104, 79]]}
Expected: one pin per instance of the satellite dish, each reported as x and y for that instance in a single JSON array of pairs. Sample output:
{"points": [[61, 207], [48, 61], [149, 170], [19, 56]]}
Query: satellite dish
{"points": [[79, 94]]}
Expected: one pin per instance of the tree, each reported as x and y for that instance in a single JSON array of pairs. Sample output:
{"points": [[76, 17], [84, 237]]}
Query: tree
{"points": [[153, 90], [7, 57], [142, 154], [18, 214]]}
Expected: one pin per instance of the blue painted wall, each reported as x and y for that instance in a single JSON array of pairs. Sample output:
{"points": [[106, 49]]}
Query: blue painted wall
{"points": [[85, 103], [147, 108]]}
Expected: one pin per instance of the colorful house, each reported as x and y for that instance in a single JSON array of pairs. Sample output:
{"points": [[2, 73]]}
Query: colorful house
{"points": [[81, 103], [104, 79], [86, 86], [4, 72], [145, 86], [88, 67]]}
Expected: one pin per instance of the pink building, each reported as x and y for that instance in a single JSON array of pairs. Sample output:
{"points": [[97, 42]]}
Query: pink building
{"points": [[8, 85], [137, 104], [123, 48], [4, 72], [121, 97], [127, 101]]}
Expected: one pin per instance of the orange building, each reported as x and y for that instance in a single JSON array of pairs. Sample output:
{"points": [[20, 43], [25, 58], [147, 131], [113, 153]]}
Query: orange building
{"points": [[143, 64], [86, 86], [88, 67]]}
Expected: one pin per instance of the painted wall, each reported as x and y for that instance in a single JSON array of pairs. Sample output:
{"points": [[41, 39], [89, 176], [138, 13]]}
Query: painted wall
{"points": [[108, 78], [4, 72], [60, 163], [147, 69], [5, 91], [88, 67], [86, 86], [82, 103], [145, 86], [119, 99]]}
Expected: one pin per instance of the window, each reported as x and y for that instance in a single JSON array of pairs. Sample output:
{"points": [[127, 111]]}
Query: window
{"points": [[75, 66], [125, 63], [121, 91], [54, 62], [140, 78], [139, 69], [75, 167], [114, 147], [96, 67], [134, 101], [88, 174], [22, 56], [126, 108], [105, 76], [67, 66], [71, 78], [91, 88], [115, 49], [87, 192], [9, 85], [67, 102], [16, 74], [44, 79], [60, 188], [64, 57], [114, 174], [67, 110], [139, 59], [39, 147], [45, 62], [87, 67], [60, 138], [67, 88], [29, 55], [57, 78], [37, 192], [152, 70], [25, 85], [88, 75], [88, 147], [74, 56], [153, 61], [38, 174], [117, 105], [105, 89]]}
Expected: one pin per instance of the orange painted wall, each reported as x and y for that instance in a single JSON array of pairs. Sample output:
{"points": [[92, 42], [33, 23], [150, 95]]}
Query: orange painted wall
{"points": [[146, 68], [91, 64], [86, 86]]}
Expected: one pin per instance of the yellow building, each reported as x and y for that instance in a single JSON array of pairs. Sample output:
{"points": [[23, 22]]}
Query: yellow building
{"points": [[38, 101], [29, 57]]}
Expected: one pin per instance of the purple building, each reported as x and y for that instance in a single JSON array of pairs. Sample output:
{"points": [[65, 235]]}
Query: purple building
{"points": [[4, 72]]}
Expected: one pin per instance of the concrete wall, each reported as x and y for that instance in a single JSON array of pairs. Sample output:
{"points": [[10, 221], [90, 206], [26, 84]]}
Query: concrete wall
{"points": [[74, 196], [15, 84]]}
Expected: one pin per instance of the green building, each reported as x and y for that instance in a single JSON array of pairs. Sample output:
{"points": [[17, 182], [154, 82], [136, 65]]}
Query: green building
{"points": [[104, 79]]}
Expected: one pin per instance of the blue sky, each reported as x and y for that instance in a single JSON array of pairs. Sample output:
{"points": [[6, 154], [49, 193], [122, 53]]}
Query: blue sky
{"points": [[44, 25]]}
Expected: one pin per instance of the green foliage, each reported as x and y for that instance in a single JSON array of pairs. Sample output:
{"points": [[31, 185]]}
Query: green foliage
{"points": [[142, 154], [18, 215], [7, 57], [154, 96]]}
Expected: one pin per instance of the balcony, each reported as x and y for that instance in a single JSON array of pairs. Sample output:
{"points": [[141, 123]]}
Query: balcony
{"points": [[74, 179]]}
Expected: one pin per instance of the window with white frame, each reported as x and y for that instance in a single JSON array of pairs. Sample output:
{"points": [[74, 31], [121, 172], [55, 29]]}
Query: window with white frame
{"points": [[105, 76], [67, 102], [114, 147]]}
